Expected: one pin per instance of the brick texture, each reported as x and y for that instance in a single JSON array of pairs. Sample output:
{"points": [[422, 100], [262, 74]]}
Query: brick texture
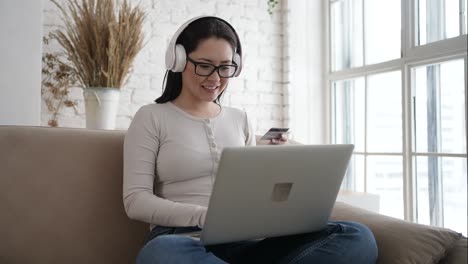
{"points": [[259, 90]]}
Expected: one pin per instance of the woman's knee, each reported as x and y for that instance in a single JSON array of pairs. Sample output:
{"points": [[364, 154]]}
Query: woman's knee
{"points": [[358, 229], [363, 239], [162, 248]]}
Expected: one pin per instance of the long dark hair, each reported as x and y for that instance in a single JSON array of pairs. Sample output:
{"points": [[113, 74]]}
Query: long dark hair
{"points": [[199, 30]]}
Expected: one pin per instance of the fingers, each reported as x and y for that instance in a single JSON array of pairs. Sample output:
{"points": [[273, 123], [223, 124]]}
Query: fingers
{"points": [[284, 137], [276, 142], [279, 141]]}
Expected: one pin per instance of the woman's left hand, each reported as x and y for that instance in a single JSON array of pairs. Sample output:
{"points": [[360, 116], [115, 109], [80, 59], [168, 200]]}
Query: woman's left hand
{"points": [[279, 141]]}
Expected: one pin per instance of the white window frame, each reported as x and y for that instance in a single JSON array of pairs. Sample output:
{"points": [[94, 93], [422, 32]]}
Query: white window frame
{"points": [[412, 56]]}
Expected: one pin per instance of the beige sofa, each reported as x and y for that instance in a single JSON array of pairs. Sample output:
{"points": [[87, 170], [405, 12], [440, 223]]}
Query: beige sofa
{"points": [[61, 202]]}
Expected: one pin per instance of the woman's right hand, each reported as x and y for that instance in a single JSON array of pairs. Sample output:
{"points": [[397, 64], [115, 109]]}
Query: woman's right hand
{"points": [[283, 139]]}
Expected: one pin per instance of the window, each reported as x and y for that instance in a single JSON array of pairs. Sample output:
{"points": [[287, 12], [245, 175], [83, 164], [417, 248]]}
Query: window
{"points": [[439, 20], [439, 143], [398, 87]]}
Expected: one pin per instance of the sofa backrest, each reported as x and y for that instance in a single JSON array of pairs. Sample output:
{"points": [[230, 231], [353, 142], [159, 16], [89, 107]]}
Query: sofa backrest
{"points": [[61, 197]]}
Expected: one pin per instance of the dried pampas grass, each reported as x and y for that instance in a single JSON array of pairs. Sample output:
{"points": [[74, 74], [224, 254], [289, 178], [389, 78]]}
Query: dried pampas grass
{"points": [[101, 38]]}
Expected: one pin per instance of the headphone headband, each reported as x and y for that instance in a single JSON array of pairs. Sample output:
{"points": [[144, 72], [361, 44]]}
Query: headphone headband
{"points": [[176, 55]]}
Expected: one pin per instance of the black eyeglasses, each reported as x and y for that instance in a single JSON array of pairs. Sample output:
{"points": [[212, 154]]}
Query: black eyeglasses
{"points": [[206, 69]]}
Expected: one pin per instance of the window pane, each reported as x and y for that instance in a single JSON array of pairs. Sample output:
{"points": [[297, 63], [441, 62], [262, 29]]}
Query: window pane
{"points": [[354, 178], [346, 34], [454, 171], [452, 18], [384, 113], [438, 20], [420, 167], [383, 31], [385, 178], [349, 103], [439, 106], [448, 182]]}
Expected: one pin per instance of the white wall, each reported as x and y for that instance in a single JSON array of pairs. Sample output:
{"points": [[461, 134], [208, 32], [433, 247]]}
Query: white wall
{"points": [[20, 62], [258, 90]]}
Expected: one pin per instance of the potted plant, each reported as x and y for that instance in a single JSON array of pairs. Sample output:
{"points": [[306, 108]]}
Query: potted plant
{"points": [[101, 40]]}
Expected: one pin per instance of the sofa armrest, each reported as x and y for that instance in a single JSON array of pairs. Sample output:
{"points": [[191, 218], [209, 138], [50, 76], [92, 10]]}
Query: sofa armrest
{"points": [[400, 241], [458, 253]]}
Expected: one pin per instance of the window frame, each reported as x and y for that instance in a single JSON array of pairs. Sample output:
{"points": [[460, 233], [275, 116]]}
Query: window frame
{"points": [[411, 56]]}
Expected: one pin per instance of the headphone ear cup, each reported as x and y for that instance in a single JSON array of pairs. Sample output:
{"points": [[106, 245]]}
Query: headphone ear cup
{"points": [[169, 59], [179, 59], [238, 61]]}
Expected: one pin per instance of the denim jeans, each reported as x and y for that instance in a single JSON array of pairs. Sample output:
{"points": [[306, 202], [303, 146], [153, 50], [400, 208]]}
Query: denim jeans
{"points": [[339, 242]]}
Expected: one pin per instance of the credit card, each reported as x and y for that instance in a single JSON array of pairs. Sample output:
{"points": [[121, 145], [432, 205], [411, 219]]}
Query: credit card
{"points": [[274, 133]]}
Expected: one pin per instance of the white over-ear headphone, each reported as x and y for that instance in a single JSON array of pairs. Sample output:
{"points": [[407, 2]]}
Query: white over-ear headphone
{"points": [[176, 57]]}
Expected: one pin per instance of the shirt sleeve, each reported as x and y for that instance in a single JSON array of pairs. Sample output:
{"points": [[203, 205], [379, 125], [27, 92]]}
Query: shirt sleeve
{"points": [[141, 147], [249, 132]]}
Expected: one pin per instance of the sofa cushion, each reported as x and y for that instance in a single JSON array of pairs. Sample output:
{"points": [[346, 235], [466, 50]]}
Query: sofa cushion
{"points": [[401, 241]]}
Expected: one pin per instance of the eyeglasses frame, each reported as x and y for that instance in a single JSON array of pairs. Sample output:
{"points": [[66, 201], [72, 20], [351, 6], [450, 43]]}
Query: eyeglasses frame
{"points": [[215, 68]]}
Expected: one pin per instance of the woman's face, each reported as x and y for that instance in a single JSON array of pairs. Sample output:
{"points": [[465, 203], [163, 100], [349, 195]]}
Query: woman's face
{"points": [[215, 51]]}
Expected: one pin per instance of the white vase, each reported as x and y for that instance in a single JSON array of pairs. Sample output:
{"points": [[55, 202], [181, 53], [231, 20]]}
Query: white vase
{"points": [[101, 105]]}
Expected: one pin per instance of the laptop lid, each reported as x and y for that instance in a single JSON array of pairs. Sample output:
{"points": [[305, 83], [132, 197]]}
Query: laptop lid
{"points": [[268, 191]]}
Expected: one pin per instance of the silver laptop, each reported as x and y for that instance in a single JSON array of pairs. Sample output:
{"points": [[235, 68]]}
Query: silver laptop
{"points": [[268, 191]]}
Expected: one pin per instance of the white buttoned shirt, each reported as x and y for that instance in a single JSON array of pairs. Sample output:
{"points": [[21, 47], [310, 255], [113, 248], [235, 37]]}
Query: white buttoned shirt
{"points": [[171, 159]]}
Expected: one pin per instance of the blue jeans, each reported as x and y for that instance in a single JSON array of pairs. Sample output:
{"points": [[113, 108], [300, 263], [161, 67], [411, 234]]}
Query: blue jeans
{"points": [[339, 242]]}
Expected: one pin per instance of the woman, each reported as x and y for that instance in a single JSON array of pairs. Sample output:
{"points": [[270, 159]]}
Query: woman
{"points": [[171, 152]]}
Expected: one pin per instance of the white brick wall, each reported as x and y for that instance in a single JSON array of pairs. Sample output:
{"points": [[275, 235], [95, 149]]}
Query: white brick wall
{"points": [[259, 89]]}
